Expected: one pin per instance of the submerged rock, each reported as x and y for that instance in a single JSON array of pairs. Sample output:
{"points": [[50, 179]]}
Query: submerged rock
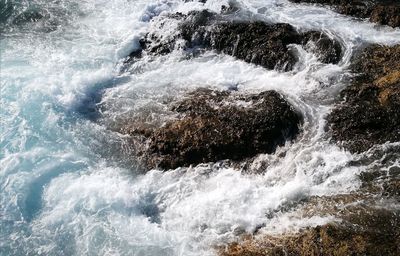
{"points": [[385, 12], [370, 112], [214, 125], [255, 42]]}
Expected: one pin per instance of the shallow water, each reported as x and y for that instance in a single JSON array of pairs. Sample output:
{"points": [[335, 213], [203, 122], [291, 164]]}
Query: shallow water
{"points": [[69, 186]]}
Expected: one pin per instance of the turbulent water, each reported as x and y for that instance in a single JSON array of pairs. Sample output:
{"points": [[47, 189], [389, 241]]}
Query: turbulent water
{"points": [[69, 186]]}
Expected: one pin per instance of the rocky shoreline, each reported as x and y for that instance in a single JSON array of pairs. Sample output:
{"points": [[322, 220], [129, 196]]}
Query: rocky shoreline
{"points": [[367, 222], [211, 126], [366, 116]]}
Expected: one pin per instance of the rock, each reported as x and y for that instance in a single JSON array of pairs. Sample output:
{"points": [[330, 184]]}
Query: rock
{"points": [[386, 15], [330, 239], [268, 44], [327, 49], [255, 42], [27, 17], [363, 229], [370, 112], [214, 125], [367, 220], [385, 12]]}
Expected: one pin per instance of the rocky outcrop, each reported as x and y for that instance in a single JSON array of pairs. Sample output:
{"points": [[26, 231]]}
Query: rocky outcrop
{"points": [[365, 228], [367, 220], [370, 112], [214, 125], [259, 43], [268, 44], [326, 240], [256, 42], [385, 12]]}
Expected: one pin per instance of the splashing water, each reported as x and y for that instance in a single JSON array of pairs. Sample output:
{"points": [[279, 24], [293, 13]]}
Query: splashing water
{"points": [[65, 186]]}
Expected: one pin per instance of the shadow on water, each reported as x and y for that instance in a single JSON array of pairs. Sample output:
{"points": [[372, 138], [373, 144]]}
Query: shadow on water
{"points": [[87, 107]]}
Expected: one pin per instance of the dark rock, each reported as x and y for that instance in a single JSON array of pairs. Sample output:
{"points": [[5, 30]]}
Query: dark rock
{"points": [[229, 9], [327, 49], [385, 12], [389, 15], [194, 26], [370, 112], [215, 125], [259, 43], [268, 44], [28, 16], [256, 42]]}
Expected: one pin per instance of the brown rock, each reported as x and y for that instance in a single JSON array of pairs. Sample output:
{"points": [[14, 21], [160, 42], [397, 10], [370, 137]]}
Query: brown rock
{"points": [[363, 230], [215, 125], [370, 112], [330, 239]]}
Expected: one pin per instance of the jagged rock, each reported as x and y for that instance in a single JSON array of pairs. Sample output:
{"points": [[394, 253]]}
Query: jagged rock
{"points": [[254, 42], [370, 112], [385, 12], [363, 229], [215, 125], [267, 44], [326, 240]]}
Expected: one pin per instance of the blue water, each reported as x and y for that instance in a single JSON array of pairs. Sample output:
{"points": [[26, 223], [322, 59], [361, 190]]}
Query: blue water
{"points": [[70, 186]]}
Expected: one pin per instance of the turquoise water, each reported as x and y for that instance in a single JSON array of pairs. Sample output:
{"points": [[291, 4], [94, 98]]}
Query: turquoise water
{"points": [[70, 186]]}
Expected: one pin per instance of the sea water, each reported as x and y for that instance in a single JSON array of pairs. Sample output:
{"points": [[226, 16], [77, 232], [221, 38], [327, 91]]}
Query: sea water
{"points": [[70, 186]]}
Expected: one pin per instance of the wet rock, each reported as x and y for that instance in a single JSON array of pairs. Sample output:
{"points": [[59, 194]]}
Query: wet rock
{"points": [[387, 15], [28, 16], [255, 42], [385, 12], [370, 112], [327, 49], [364, 229], [330, 239], [214, 125], [268, 45]]}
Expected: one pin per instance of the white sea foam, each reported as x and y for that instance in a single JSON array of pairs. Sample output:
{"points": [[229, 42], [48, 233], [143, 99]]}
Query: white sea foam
{"points": [[67, 184]]}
